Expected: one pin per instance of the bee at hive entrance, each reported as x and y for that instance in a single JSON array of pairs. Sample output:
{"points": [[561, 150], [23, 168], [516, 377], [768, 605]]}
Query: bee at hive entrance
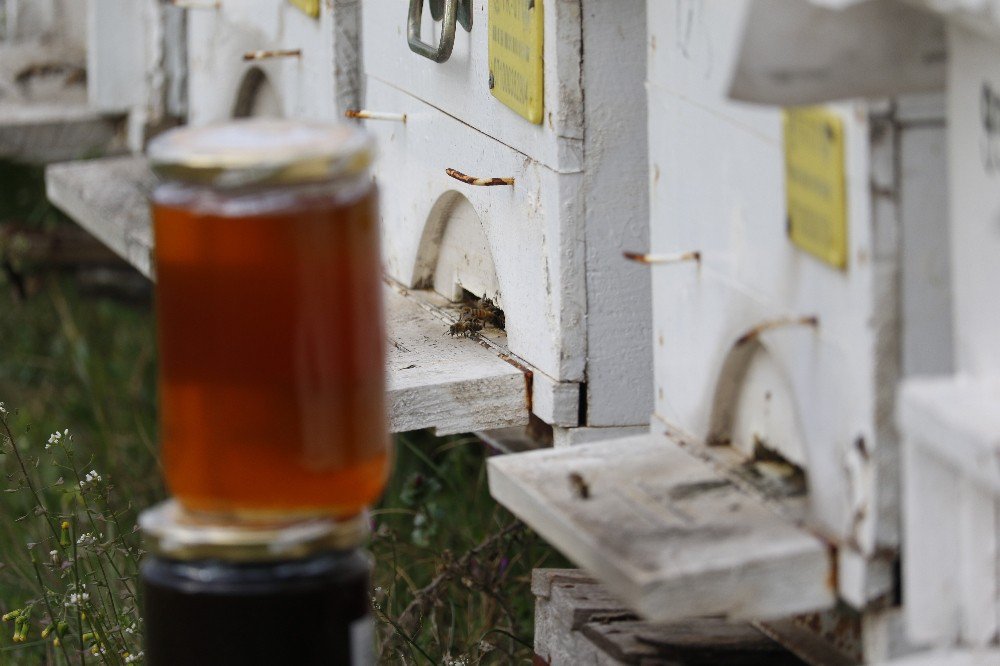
{"points": [[476, 314]]}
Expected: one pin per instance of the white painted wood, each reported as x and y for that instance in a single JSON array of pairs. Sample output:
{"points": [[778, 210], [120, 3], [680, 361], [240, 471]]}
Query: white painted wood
{"points": [[136, 63], [464, 262], [319, 85], [797, 53], [30, 19], [434, 380], [665, 532], [573, 436], [44, 114], [823, 398], [951, 431], [121, 60], [460, 86], [925, 247], [556, 403], [616, 186], [884, 636], [533, 229], [956, 420], [982, 657], [980, 16], [974, 172], [861, 579]]}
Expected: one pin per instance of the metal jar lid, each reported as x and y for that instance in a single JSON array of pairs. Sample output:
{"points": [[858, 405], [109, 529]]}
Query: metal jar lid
{"points": [[261, 151], [170, 531]]}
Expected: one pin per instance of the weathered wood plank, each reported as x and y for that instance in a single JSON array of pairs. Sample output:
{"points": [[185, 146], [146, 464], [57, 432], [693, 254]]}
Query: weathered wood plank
{"points": [[449, 384], [664, 532], [698, 642], [434, 381], [578, 621], [108, 198], [42, 133]]}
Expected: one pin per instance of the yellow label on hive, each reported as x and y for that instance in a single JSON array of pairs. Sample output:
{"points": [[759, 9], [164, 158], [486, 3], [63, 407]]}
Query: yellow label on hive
{"points": [[516, 72], [815, 183], [310, 7]]}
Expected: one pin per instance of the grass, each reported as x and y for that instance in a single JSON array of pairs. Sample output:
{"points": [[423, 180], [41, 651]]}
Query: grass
{"points": [[452, 568]]}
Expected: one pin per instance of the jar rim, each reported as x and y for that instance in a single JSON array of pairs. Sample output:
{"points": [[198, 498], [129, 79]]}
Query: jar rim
{"points": [[259, 151], [170, 531]]}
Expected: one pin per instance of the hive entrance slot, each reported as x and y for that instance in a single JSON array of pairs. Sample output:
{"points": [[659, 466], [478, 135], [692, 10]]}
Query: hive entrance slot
{"points": [[256, 97], [476, 314], [455, 256], [755, 409]]}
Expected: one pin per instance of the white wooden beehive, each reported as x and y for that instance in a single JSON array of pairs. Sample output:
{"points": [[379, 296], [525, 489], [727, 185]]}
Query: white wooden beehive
{"points": [[731, 378], [44, 110], [548, 248], [951, 424], [88, 77], [319, 83], [820, 396]]}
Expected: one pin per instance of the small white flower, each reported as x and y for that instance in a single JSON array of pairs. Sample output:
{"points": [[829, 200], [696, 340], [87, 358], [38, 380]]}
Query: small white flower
{"points": [[3, 409], [91, 477], [86, 539], [77, 598], [130, 629], [53, 553], [133, 658]]}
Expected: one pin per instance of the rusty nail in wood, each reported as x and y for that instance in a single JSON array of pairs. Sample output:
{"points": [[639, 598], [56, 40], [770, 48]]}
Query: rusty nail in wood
{"points": [[663, 258], [364, 114], [756, 331], [189, 4], [267, 55], [482, 182]]}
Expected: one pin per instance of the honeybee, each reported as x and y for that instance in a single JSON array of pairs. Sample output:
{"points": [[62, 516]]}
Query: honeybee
{"points": [[579, 485], [486, 311], [465, 327]]}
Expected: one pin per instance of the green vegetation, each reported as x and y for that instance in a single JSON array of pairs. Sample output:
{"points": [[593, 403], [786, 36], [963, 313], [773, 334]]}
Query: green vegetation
{"points": [[452, 568]]}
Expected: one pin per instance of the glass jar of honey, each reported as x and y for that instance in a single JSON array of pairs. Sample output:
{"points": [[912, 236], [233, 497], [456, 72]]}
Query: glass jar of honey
{"points": [[269, 318]]}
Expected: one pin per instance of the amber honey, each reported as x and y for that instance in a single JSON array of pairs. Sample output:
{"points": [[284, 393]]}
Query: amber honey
{"points": [[272, 387]]}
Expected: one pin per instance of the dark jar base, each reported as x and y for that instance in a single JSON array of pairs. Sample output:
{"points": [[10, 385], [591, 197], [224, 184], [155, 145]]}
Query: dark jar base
{"points": [[310, 611]]}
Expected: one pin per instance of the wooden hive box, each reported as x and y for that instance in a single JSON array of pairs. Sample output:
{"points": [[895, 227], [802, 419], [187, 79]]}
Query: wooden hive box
{"points": [[548, 247]]}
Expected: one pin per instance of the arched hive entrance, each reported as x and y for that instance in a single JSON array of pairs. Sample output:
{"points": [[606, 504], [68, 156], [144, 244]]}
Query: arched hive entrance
{"points": [[454, 254], [754, 405], [256, 97]]}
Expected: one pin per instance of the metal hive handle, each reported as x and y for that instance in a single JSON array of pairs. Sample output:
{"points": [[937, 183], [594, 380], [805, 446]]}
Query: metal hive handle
{"points": [[449, 16]]}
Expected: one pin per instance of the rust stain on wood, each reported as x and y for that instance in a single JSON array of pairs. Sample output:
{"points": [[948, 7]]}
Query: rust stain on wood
{"points": [[772, 324], [276, 53], [481, 182], [650, 259]]}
